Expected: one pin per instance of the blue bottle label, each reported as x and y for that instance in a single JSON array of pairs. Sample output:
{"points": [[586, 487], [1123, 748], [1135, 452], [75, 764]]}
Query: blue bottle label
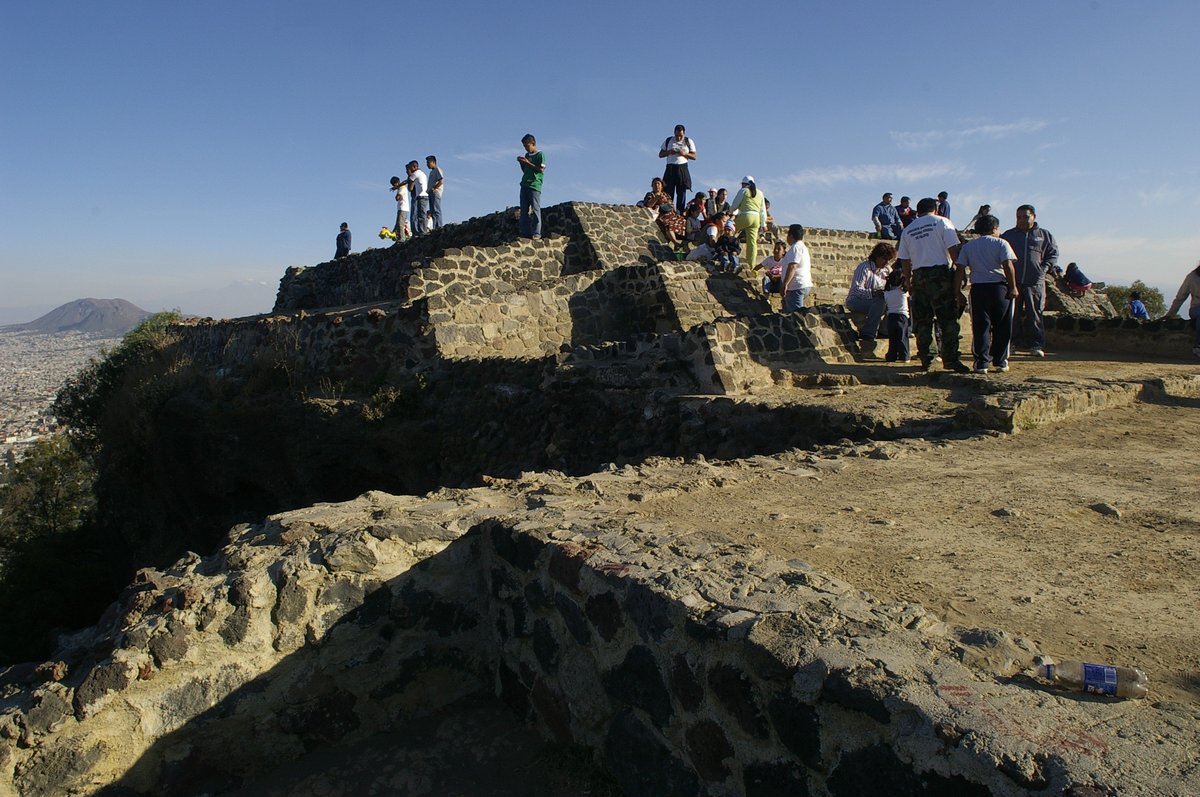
{"points": [[1100, 679]]}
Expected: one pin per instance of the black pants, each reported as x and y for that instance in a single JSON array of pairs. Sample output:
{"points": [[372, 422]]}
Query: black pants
{"points": [[898, 329], [991, 323], [677, 182]]}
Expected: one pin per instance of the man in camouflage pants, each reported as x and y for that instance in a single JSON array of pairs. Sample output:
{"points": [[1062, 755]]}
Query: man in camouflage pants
{"points": [[927, 250]]}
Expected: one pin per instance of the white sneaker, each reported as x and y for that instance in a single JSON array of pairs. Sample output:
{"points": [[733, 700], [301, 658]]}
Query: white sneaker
{"points": [[1035, 352], [981, 370], [1002, 368]]}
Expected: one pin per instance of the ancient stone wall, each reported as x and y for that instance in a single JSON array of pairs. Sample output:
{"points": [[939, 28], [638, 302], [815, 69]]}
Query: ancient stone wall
{"points": [[596, 237], [1168, 337], [362, 348], [746, 352], [582, 309], [684, 662]]}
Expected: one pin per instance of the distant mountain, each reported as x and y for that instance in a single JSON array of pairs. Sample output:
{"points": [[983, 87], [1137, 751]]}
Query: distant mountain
{"points": [[97, 316]]}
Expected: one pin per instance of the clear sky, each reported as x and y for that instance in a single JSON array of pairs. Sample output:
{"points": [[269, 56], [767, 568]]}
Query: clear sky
{"points": [[154, 150]]}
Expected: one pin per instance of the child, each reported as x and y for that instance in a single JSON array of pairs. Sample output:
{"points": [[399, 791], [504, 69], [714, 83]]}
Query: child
{"points": [[773, 268], [728, 248], [401, 229], [696, 213], [1077, 283], [897, 319], [533, 169], [1136, 308]]}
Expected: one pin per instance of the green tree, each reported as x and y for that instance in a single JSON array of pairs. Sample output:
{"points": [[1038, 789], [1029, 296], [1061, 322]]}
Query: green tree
{"points": [[46, 492], [85, 398], [1151, 297], [54, 571]]}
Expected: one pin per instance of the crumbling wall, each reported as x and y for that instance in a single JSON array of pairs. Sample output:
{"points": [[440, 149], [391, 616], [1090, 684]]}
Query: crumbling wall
{"points": [[582, 309], [596, 237], [743, 353], [1166, 337], [685, 662], [364, 347]]}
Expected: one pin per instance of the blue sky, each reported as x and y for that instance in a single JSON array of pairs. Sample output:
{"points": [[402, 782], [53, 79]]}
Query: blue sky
{"points": [[153, 151]]}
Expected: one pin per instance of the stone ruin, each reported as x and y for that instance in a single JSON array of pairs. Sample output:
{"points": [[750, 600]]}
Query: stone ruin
{"points": [[504, 387]]}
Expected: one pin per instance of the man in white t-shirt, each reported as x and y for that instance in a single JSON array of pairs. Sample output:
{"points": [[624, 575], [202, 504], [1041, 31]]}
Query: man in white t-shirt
{"points": [[796, 282], [677, 180], [419, 185], [927, 250]]}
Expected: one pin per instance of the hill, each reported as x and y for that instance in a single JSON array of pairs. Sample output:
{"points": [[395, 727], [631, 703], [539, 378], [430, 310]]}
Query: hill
{"points": [[97, 316]]}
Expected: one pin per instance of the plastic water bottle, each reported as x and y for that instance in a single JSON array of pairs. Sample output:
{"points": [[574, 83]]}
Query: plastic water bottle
{"points": [[1096, 679]]}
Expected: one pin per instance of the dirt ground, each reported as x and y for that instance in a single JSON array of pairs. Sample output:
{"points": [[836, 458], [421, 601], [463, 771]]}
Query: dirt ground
{"points": [[1005, 531]]}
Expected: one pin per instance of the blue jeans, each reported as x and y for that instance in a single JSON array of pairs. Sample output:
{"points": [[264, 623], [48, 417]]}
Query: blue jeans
{"points": [[419, 209], [531, 213], [435, 208], [991, 323], [1029, 325], [875, 308], [899, 328], [793, 300]]}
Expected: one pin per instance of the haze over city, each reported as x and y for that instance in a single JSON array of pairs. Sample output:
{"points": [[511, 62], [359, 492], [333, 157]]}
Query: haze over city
{"points": [[163, 153]]}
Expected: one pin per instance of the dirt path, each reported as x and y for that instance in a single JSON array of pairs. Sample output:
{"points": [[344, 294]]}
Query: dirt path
{"points": [[999, 531]]}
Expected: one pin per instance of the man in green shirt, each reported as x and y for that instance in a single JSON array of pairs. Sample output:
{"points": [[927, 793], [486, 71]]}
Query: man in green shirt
{"points": [[533, 164]]}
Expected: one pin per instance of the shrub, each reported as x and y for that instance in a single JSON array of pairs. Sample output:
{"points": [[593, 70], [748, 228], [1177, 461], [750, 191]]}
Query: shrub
{"points": [[1151, 297], [84, 399], [46, 492], [54, 570]]}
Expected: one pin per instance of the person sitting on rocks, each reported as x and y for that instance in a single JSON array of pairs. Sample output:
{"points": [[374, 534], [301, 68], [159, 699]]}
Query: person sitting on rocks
{"points": [[886, 219], [866, 290], [1075, 282], [656, 196], [718, 201], [1137, 309], [696, 214], [714, 227], [672, 224], [984, 210], [727, 250], [772, 267]]}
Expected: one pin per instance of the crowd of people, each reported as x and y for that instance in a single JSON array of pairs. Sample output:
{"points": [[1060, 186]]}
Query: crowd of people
{"points": [[928, 277]]}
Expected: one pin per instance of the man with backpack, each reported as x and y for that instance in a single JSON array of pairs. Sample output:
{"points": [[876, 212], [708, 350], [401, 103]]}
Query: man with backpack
{"points": [[677, 180]]}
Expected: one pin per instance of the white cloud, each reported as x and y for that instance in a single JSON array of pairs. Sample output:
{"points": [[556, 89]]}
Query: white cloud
{"points": [[881, 174], [506, 152], [1161, 196], [492, 153], [957, 137]]}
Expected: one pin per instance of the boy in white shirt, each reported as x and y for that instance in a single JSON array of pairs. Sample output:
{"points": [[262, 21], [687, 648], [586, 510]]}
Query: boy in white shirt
{"points": [[797, 271]]}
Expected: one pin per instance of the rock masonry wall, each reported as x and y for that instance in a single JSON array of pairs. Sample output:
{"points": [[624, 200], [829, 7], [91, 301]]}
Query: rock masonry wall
{"points": [[488, 249], [1167, 337], [686, 663]]}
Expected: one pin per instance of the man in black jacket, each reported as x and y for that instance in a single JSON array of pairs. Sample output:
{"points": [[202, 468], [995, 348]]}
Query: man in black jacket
{"points": [[1036, 255]]}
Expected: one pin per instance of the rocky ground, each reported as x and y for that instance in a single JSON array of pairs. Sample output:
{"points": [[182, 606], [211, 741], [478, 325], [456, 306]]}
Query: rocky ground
{"points": [[1082, 536]]}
